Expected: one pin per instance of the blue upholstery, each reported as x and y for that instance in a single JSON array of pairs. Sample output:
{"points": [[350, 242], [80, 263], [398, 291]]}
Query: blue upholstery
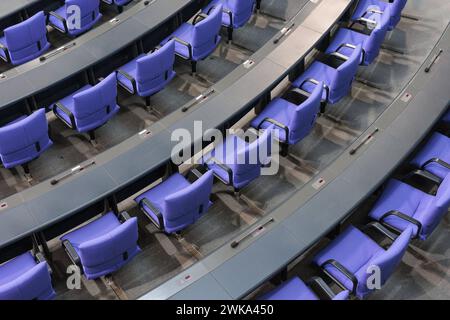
{"points": [[296, 289], [175, 203], [90, 107], [437, 147], [371, 44], [446, 118], [200, 39], [239, 161], [22, 278], [105, 245], [395, 10], [357, 253], [151, 72], [300, 119], [236, 13], [24, 139], [422, 207], [89, 11], [25, 41], [118, 2], [338, 81]]}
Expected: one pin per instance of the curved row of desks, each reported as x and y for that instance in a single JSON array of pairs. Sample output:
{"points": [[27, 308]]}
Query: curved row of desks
{"points": [[8, 8]]}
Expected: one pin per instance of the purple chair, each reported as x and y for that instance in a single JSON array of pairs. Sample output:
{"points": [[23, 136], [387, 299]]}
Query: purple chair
{"points": [[367, 9], [351, 257], [89, 14], [236, 13], [175, 203], [118, 3], [401, 206], [104, 245], [26, 278], [237, 163], [337, 72], [293, 115], [198, 40], [434, 157], [296, 289], [24, 140], [148, 73], [346, 40], [25, 41], [90, 107]]}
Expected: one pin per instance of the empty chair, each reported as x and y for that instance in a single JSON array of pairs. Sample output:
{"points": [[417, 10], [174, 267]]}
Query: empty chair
{"points": [[63, 19], [293, 115], [24, 140], [367, 9], [337, 74], [236, 13], [352, 257], [118, 3], [90, 107], [26, 278], [237, 163], [296, 289], [401, 206], [175, 203], [148, 73], [434, 157], [198, 40], [25, 41], [345, 40], [104, 245]]}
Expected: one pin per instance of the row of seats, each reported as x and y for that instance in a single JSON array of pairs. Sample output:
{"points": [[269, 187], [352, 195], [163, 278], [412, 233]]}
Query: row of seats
{"points": [[27, 40]]}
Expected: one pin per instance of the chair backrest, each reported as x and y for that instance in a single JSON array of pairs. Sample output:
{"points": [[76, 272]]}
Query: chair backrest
{"points": [[304, 116], [155, 68], [373, 44], [443, 194], [343, 295], [342, 80], [95, 104], [206, 32], [387, 261], [35, 283], [242, 11], [106, 250], [28, 39], [24, 140], [89, 10], [396, 11], [187, 205]]}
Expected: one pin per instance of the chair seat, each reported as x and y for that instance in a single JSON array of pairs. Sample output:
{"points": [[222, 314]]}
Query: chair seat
{"points": [[318, 71], [131, 69], [184, 32], [156, 195], [68, 102], [16, 267], [438, 146], [346, 36], [92, 230], [279, 110], [294, 289], [354, 250], [404, 198], [363, 5]]}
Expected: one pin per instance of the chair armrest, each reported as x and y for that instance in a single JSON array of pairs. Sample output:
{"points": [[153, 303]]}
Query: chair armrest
{"points": [[296, 96], [63, 21], [277, 124], [364, 22], [39, 257], [184, 43], [73, 255], [224, 167], [428, 176], [200, 16], [230, 15], [353, 47], [60, 106], [5, 49], [380, 228], [124, 216], [339, 56], [404, 217], [128, 77], [438, 161], [155, 210], [315, 82], [318, 282], [338, 266]]}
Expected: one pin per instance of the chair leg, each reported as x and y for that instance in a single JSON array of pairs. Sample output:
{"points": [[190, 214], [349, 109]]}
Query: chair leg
{"points": [[194, 66], [284, 149], [26, 169], [119, 9], [230, 34], [92, 138]]}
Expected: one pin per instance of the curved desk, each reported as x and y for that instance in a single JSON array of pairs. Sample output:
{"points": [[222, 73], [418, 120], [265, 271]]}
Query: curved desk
{"points": [[8, 8]]}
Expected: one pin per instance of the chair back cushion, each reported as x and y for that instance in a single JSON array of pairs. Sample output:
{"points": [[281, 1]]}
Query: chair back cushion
{"points": [[373, 44], [206, 34], [242, 10], [89, 11]]}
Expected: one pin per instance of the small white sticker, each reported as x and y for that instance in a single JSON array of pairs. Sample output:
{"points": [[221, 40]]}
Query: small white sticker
{"points": [[3, 205], [406, 97], [319, 183], [248, 64], [184, 279]]}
